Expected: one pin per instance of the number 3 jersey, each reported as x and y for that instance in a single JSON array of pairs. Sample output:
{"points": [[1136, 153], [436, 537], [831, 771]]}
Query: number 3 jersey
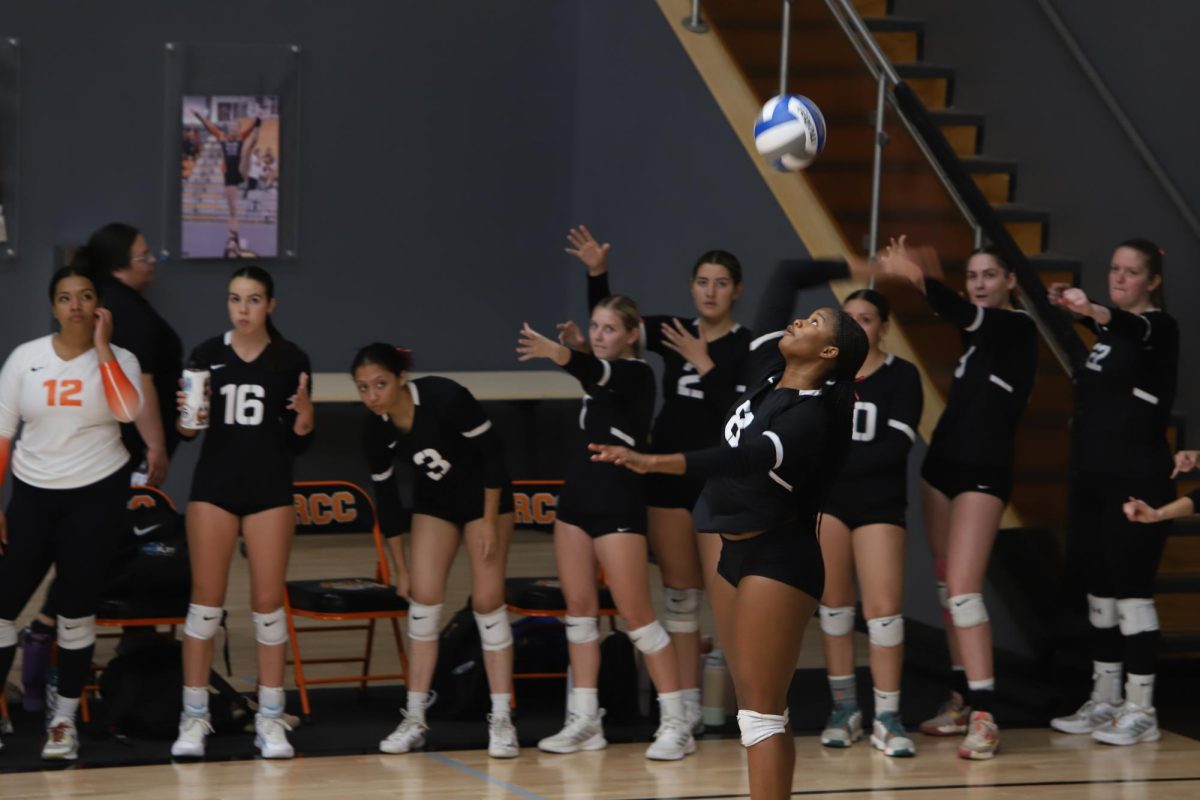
{"points": [[70, 438], [1123, 396], [451, 447], [249, 444]]}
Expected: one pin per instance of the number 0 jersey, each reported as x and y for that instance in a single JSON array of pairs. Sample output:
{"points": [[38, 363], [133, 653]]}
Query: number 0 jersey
{"points": [[249, 444], [70, 438], [451, 447], [1124, 393]]}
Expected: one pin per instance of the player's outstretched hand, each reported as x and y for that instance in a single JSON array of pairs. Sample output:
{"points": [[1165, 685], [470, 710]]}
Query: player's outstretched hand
{"points": [[585, 247]]}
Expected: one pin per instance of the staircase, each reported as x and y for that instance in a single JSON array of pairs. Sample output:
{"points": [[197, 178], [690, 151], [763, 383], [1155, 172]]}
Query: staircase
{"points": [[204, 193], [824, 65]]}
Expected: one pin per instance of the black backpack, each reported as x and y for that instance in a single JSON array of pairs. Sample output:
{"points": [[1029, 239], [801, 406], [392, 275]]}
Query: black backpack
{"points": [[618, 684], [150, 567], [460, 679]]}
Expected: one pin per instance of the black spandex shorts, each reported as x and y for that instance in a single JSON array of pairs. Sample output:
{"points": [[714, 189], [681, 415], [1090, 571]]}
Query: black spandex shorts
{"points": [[233, 177], [243, 503], [597, 525], [673, 491], [461, 510], [786, 553], [953, 479], [866, 502]]}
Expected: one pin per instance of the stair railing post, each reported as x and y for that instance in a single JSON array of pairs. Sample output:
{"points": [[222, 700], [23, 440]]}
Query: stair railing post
{"points": [[786, 41], [693, 22], [877, 167]]}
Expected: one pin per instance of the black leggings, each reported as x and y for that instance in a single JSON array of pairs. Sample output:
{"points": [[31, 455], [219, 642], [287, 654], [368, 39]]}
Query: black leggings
{"points": [[76, 531]]}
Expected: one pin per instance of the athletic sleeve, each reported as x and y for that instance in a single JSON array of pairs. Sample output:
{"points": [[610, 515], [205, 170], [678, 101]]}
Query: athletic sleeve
{"points": [[618, 375], [1148, 330], [10, 397], [381, 465], [467, 416], [652, 336], [122, 379], [794, 435], [597, 286], [953, 307], [789, 277], [904, 416], [723, 384]]}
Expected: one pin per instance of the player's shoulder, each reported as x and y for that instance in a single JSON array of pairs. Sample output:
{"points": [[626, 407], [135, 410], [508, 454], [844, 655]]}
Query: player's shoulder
{"points": [[211, 349], [33, 349], [900, 368]]}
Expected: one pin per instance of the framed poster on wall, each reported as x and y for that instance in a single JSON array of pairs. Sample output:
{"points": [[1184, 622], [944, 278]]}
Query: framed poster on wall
{"points": [[232, 145], [10, 139]]}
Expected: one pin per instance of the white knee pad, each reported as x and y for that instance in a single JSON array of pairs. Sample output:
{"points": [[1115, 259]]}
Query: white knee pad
{"points": [[270, 628], [76, 633], [755, 726], [582, 630], [968, 610], [8, 633], [424, 622], [943, 595], [683, 610], [1102, 611], [494, 631], [1137, 615], [650, 638], [886, 631], [837, 621], [202, 621]]}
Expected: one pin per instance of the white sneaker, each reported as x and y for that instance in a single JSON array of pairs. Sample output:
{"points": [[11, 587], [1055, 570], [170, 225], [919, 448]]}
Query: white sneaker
{"points": [[1132, 724], [694, 715], [502, 737], [843, 728], [62, 741], [270, 737], [192, 733], [1091, 715], [888, 735], [672, 741], [582, 732], [983, 737], [409, 735], [951, 718]]}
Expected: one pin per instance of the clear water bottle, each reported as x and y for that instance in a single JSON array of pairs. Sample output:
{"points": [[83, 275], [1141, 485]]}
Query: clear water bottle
{"points": [[713, 691]]}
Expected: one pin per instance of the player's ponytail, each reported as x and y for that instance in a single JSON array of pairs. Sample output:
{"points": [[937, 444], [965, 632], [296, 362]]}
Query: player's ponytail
{"points": [[839, 397]]}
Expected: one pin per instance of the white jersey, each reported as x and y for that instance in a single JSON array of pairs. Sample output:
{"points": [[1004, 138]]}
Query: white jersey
{"points": [[70, 437]]}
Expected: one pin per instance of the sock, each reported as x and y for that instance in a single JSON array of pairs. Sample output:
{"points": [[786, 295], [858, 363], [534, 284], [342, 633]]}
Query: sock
{"points": [[958, 681], [845, 691], [691, 696], [1106, 682], [195, 701], [271, 701], [39, 627], [1139, 690], [981, 694], [415, 705], [501, 704], [670, 705], [585, 702], [66, 707], [888, 702]]}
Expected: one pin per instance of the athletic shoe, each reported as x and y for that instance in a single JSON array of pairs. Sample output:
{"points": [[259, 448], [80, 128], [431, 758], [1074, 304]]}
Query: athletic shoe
{"points": [[270, 737], [888, 735], [62, 741], [950, 720], [192, 733], [983, 738], [582, 732], [502, 737], [409, 735], [1132, 724], [672, 741], [843, 728], [1091, 715], [36, 649], [694, 715]]}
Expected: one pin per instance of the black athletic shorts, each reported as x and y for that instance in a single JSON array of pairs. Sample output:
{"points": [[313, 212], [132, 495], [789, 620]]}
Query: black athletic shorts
{"points": [[673, 491], [867, 502], [953, 479], [467, 507], [233, 177], [243, 503], [597, 525], [785, 553]]}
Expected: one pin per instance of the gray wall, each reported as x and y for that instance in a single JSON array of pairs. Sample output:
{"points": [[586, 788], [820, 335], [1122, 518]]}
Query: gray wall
{"points": [[1074, 159]]}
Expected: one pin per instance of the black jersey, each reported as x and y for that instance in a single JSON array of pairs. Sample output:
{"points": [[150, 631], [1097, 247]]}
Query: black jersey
{"points": [[616, 410], [762, 475], [454, 452], [991, 383], [1124, 393], [694, 405], [886, 416], [250, 441]]}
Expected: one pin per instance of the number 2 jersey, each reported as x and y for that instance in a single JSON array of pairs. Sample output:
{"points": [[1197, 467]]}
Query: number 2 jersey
{"points": [[991, 383], [1124, 393], [70, 437], [452, 449], [248, 448]]}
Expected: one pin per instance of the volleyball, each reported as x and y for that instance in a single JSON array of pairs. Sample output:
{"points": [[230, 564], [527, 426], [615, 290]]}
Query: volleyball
{"points": [[790, 132]]}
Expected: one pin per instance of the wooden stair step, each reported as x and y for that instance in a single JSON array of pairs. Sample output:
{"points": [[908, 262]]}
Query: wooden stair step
{"points": [[1053, 268], [996, 178], [962, 129], [901, 40], [933, 84], [1029, 227], [729, 13]]}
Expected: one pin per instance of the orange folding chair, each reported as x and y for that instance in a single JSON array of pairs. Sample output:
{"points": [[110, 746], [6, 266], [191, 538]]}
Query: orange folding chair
{"points": [[356, 603]]}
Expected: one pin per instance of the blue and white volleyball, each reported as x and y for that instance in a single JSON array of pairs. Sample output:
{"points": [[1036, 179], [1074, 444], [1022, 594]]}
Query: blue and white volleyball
{"points": [[790, 132]]}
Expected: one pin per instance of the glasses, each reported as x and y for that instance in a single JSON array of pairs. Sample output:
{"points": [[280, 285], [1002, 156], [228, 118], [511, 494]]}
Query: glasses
{"points": [[142, 259]]}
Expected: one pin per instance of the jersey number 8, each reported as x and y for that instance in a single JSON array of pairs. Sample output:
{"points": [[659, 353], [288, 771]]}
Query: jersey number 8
{"points": [[740, 420], [243, 403]]}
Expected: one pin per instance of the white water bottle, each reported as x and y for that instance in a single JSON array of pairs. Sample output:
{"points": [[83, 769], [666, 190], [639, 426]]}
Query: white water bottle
{"points": [[194, 415], [713, 702]]}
